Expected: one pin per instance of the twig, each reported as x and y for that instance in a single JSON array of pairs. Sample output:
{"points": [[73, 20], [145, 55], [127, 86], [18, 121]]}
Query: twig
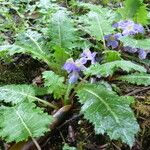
{"points": [[46, 103], [80, 83], [58, 115], [139, 97], [66, 98], [36, 144], [62, 136], [138, 90], [102, 147], [118, 148], [69, 120]]}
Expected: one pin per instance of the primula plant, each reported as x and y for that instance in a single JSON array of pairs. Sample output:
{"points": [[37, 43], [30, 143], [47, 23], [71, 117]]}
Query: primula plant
{"points": [[87, 53]]}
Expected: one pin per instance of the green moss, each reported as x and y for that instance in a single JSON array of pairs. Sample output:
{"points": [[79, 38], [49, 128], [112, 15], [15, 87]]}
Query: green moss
{"points": [[11, 75]]}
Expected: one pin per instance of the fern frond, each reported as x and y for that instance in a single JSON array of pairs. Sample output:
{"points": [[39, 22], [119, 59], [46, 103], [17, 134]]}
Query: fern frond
{"points": [[136, 78], [107, 69], [131, 42], [22, 121], [108, 112]]}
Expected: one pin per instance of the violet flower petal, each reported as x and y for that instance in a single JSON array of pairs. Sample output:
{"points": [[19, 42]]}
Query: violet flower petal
{"points": [[88, 55], [73, 77], [142, 54]]}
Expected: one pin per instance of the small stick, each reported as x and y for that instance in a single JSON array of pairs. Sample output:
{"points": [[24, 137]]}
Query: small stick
{"points": [[118, 148], [138, 90]]}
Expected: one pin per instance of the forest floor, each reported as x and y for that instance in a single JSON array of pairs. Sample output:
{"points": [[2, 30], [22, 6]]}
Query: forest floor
{"points": [[72, 127]]}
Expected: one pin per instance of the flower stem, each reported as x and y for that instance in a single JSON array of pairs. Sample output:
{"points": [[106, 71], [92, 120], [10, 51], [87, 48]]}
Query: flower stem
{"points": [[66, 98], [79, 84], [47, 103]]}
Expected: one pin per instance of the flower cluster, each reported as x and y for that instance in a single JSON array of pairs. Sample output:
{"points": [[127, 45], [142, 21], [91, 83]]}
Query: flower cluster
{"points": [[129, 27], [75, 67], [87, 55], [141, 53], [130, 49], [112, 40]]}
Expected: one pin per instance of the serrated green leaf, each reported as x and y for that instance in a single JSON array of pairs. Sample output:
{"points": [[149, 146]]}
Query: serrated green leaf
{"points": [[4, 55], [96, 25], [19, 93], [67, 147], [141, 15], [62, 31], [108, 112], [22, 121], [110, 56], [54, 83], [107, 69], [136, 78], [60, 56], [135, 10], [105, 12], [9, 48], [30, 42], [131, 7], [129, 41], [45, 4]]}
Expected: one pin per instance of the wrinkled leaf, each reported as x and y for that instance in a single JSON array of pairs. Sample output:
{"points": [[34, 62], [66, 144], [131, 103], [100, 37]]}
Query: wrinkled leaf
{"points": [[136, 78], [22, 121], [108, 112], [108, 69], [54, 83]]}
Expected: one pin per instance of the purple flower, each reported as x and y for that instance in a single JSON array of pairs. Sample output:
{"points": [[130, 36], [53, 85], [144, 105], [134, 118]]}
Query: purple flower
{"points": [[129, 27], [142, 54], [112, 40], [72, 65], [73, 77], [83, 60], [88, 55], [130, 49], [73, 68], [122, 24]]}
